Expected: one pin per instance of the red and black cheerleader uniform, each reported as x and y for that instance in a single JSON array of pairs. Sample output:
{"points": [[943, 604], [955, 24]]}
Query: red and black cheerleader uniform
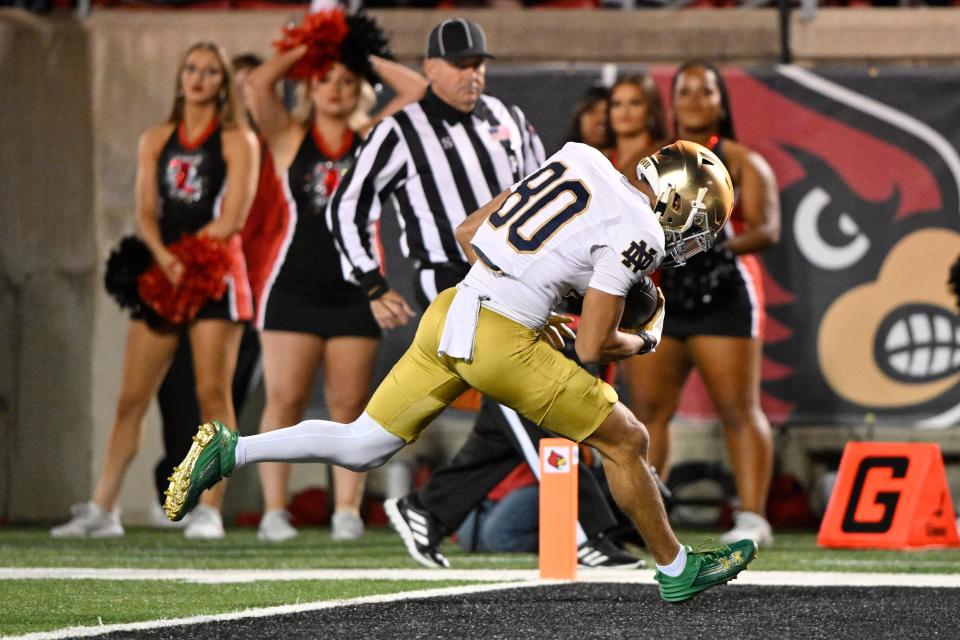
{"points": [[716, 293], [191, 180], [305, 290], [265, 222]]}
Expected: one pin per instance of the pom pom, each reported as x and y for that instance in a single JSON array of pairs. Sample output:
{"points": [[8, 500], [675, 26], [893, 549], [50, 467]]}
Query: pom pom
{"points": [[323, 33], [365, 38], [206, 262], [126, 263]]}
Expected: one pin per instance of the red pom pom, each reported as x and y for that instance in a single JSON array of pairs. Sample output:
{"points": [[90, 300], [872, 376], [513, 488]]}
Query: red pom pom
{"points": [[206, 262], [322, 32]]}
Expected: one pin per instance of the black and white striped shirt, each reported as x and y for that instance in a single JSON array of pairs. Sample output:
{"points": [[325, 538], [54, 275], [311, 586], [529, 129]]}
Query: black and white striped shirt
{"points": [[438, 165]]}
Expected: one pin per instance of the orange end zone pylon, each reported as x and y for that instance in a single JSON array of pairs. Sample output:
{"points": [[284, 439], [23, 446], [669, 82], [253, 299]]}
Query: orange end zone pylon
{"points": [[559, 461], [890, 495]]}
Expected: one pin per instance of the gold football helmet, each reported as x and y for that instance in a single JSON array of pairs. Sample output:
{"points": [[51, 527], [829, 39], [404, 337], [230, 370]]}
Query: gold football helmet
{"points": [[694, 197]]}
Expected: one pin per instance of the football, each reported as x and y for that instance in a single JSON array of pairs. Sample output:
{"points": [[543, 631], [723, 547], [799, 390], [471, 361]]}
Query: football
{"points": [[640, 305]]}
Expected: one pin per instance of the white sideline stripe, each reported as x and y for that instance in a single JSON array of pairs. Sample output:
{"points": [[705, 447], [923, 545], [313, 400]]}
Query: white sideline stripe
{"points": [[86, 632], [233, 576], [520, 576]]}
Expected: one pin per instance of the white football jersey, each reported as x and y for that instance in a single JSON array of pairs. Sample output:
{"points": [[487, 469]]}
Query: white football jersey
{"points": [[574, 223]]}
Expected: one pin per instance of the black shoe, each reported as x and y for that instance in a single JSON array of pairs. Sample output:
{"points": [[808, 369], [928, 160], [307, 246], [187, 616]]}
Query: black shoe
{"points": [[419, 532], [600, 553]]}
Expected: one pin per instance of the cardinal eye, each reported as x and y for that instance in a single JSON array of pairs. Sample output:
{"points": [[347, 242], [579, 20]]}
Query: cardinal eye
{"points": [[819, 251]]}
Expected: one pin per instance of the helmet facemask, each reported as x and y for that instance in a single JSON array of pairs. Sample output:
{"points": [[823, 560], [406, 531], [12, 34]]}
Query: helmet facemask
{"points": [[674, 173], [694, 237]]}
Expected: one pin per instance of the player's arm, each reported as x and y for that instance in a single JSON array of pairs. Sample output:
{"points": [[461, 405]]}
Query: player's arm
{"points": [[598, 339], [615, 272], [468, 228]]}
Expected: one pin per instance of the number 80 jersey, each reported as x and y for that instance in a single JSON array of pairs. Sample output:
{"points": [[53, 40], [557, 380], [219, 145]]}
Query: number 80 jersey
{"points": [[574, 223]]}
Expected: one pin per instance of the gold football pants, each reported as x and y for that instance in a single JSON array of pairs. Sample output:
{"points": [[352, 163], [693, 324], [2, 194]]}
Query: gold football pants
{"points": [[512, 365]]}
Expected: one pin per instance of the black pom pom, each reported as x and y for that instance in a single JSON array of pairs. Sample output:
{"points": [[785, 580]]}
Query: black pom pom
{"points": [[365, 38], [126, 262]]}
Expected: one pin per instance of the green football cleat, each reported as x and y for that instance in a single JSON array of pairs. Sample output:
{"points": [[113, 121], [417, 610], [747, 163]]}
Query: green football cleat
{"points": [[210, 459], [707, 567]]}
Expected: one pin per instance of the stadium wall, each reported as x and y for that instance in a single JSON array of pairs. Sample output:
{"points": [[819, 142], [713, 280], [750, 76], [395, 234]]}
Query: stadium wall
{"points": [[48, 264], [76, 94]]}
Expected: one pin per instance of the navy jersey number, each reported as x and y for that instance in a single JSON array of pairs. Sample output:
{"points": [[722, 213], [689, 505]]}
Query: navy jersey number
{"points": [[546, 193]]}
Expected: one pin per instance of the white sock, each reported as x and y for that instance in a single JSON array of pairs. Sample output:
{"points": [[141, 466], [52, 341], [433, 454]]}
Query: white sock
{"points": [[676, 567], [361, 445], [240, 453]]}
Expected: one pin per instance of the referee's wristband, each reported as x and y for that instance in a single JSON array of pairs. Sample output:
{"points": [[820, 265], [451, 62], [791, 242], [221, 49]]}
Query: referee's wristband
{"points": [[373, 284]]}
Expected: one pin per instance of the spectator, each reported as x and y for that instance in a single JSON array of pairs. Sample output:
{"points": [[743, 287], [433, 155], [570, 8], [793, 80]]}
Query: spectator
{"points": [[508, 520], [589, 123]]}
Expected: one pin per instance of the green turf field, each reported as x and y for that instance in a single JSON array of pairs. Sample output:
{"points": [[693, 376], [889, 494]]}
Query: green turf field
{"points": [[380, 548], [35, 605], [69, 603]]}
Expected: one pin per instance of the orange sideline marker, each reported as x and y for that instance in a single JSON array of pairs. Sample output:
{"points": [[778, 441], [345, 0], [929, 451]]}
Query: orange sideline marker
{"points": [[890, 495], [559, 460]]}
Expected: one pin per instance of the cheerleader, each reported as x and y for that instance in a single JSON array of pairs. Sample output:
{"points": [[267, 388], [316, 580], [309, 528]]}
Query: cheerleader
{"points": [[196, 177], [637, 123], [714, 319], [588, 122], [309, 315]]}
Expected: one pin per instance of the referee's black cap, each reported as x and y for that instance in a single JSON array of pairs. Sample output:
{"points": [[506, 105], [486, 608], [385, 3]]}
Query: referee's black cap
{"points": [[455, 39]]}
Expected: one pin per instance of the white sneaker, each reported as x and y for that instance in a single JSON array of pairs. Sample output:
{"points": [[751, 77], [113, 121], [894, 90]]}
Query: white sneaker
{"points": [[275, 527], [749, 525], [205, 524], [89, 521], [346, 526], [159, 519]]}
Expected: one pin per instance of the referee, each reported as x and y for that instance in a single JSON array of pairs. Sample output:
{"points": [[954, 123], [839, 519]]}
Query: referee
{"points": [[438, 161]]}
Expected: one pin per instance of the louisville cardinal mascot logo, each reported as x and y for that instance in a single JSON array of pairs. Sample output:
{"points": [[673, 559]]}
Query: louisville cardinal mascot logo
{"points": [[556, 460], [860, 319]]}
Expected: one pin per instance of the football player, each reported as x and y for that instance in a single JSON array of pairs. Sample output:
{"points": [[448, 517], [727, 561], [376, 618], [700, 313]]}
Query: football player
{"points": [[576, 224]]}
